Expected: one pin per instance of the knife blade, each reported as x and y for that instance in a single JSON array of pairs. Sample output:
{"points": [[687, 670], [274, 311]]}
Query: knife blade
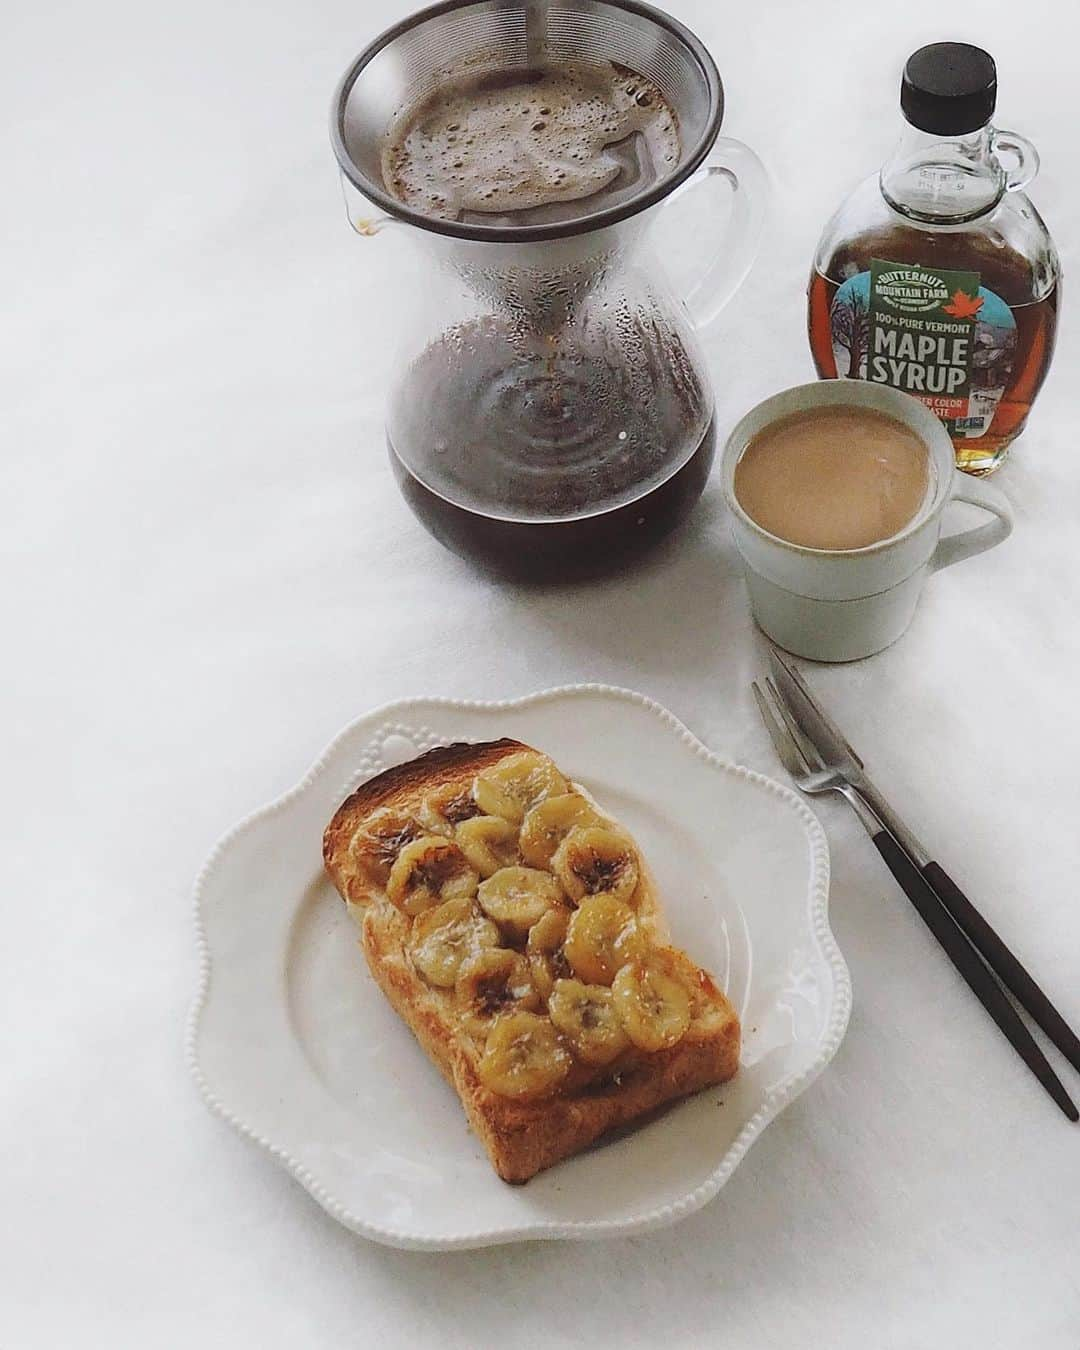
{"points": [[838, 753], [828, 737]]}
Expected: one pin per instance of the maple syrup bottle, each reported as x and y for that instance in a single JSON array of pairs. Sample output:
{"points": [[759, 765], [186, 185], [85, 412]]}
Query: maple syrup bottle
{"points": [[938, 276]]}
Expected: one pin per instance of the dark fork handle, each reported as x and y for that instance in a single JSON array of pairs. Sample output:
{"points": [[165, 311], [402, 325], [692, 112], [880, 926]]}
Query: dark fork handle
{"points": [[968, 962], [1003, 963]]}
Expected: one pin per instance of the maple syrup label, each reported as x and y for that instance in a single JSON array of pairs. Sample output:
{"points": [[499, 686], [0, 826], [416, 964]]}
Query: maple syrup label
{"points": [[934, 333]]}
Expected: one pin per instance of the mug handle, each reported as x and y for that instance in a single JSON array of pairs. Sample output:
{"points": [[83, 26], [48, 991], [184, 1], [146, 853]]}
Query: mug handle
{"points": [[967, 543], [743, 173]]}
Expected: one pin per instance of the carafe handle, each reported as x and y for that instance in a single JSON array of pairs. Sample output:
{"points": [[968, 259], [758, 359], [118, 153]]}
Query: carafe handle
{"points": [[736, 167]]}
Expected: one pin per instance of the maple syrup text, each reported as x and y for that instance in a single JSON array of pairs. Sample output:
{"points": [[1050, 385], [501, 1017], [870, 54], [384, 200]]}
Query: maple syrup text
{"points": [[932, 365]]}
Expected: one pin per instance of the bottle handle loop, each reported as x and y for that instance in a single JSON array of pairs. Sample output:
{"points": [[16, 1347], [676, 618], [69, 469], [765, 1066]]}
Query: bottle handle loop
{"points": [[1007, 145]]}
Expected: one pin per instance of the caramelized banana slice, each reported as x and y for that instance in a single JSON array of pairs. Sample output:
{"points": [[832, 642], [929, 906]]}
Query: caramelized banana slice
{"points": [[653, 1006], [709, 1009], [428, 871], [544, 949], [489, 842], [445, 808], [516, 897], [491, 982], [596, 861], [602, 936], [524, 1057], [548, 824], [587, 1017], [377, 843], [516, 783], [445, 937]]}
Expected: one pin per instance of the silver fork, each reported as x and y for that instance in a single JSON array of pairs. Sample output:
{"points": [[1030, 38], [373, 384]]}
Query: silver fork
{"points": [[807, 768], [813, 774]]}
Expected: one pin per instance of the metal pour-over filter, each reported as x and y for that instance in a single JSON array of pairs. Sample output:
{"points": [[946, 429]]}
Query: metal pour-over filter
{"points": [[408, 61]]}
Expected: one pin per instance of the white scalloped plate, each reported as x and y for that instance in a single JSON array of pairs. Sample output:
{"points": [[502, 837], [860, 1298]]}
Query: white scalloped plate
{"points": [[293, 1044]]}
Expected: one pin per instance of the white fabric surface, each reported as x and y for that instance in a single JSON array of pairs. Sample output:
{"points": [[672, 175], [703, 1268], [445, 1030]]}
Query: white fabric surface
{"points": [[208, 571]]}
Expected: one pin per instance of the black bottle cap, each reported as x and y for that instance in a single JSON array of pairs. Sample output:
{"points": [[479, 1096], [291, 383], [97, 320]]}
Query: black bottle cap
{"points": [[949, 88]]}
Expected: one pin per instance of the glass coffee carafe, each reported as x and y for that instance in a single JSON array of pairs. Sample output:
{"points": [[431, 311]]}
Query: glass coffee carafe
{"points": [[551, 415]]}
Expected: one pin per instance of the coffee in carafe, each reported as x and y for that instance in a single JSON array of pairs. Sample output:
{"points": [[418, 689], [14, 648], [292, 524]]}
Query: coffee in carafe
{"points": [[553, 462]]}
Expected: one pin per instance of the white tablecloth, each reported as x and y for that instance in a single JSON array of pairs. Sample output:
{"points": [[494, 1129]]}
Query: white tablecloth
{"points": [[208, 571]]}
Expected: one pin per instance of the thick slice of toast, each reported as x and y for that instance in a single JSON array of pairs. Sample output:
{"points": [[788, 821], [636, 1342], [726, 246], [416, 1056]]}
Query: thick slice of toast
{"points": [[522, 1134]]}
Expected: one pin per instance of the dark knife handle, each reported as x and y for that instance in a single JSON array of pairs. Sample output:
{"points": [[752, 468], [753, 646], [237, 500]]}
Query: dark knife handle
{"points": [[968, 962], [1003, 963]]}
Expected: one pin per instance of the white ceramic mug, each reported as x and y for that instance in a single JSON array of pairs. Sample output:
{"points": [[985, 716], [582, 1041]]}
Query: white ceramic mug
{"points": [[844, 604]]}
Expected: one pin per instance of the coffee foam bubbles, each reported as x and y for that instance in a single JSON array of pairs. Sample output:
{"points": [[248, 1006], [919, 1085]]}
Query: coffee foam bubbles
{"points": [[510, 141]]}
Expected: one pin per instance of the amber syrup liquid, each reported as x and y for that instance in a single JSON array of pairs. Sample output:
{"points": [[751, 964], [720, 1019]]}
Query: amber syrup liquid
{"points": [[1000, 269]]}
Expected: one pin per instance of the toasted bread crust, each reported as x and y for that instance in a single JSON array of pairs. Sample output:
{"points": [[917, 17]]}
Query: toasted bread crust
{"points": [[521, 1137], [402, 787]]}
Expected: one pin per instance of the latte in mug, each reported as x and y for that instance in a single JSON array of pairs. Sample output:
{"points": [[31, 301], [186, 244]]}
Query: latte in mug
{"points": [[873, 528], [833, 478]]}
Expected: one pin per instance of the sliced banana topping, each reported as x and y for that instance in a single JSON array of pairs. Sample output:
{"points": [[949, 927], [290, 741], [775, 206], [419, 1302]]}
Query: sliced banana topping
{"points": [[548, 823], [587, 1017], [653, 1006], [524, 1057], [596, 861], [544, 949], [445, 937], [377, 843], [445, 808], [491, 982], [522, 859], [489, 842], [516, 897], [602, 936], [709, 1009], [428, 871], [516, 783]]}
